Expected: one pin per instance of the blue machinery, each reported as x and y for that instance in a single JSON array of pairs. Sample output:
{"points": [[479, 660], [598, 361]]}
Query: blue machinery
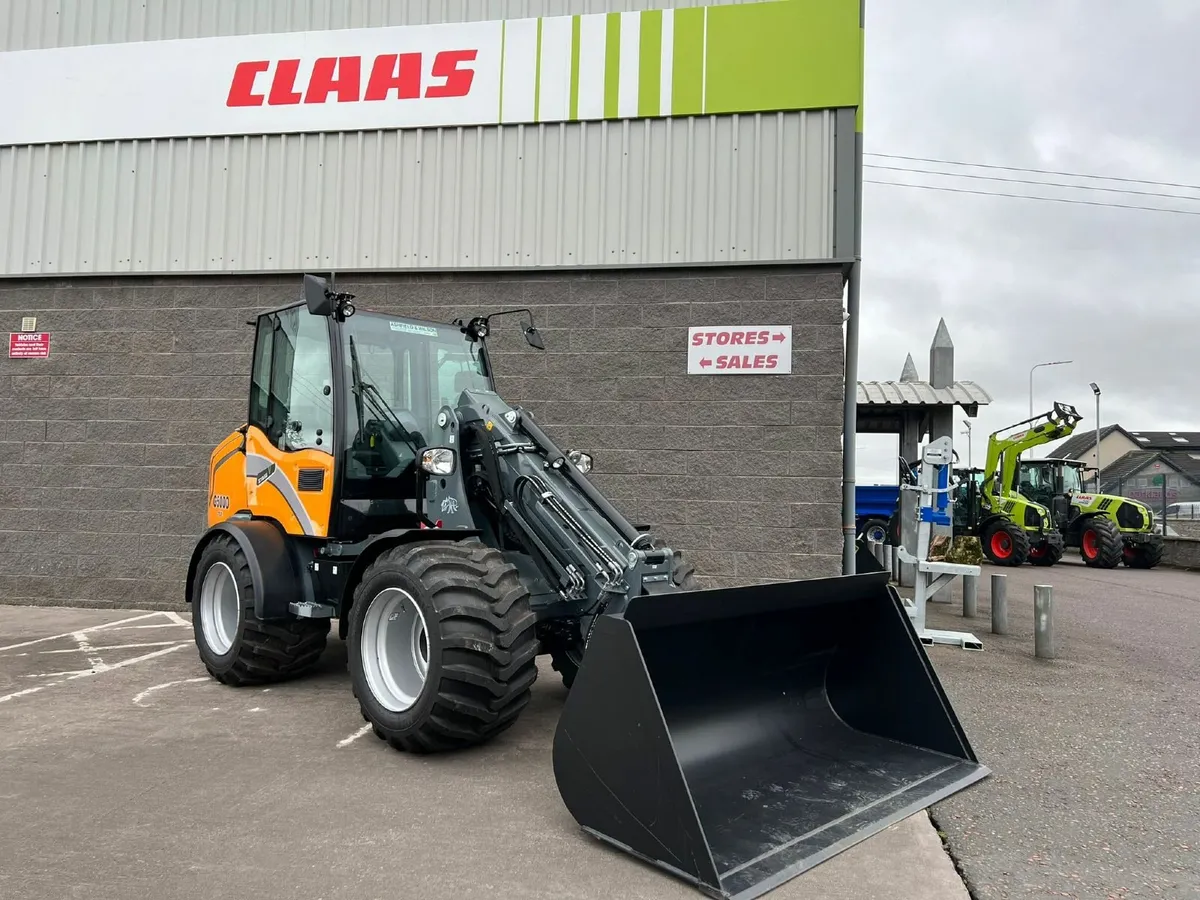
{"points": [[933, 508]]}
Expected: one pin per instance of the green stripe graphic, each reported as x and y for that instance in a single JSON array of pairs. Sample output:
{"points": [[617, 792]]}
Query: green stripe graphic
{"points": [[612, 63], [687, 71], [537, 75], [503, 31], [576, 24], [650, 63], [752, 57]]}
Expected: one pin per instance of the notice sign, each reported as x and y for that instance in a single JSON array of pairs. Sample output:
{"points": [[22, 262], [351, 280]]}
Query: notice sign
{"points": [[740, 350], [28, 345]]}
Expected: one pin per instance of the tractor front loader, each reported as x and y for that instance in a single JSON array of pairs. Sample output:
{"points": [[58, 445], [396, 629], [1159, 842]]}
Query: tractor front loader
{"points": [[1012, 528], [1106, 529], [732, 737]]}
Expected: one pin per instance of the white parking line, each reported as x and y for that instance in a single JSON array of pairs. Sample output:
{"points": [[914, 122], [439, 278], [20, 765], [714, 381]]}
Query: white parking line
{"points": [[71, 634], [104, 667], [85, 647], [354, 737], [112, 647], [138, 698]]}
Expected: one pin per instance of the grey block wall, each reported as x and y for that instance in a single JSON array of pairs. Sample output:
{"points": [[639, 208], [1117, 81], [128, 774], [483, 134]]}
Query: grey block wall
{"points": [[105, 445]]}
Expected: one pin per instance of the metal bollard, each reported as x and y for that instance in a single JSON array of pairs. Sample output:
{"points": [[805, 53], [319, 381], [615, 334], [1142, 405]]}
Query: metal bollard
{"points": [[970, 596], [1043, 621], [887, 557], [999, 604], [896, 565], [876, 551]]}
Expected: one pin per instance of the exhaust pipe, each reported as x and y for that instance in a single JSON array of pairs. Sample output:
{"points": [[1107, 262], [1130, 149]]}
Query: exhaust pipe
{"points": [[736, 738]]}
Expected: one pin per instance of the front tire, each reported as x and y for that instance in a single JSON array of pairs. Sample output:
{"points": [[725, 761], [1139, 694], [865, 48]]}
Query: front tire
{"points": [[1045, 553], [1144, 556], [1005, 543], [442, 645], [1100, 544], [236, 647]]}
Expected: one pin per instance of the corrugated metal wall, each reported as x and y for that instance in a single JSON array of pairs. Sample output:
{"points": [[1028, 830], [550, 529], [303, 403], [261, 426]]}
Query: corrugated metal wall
{"points": [[37, 24], [706, 190], [712, 189]]}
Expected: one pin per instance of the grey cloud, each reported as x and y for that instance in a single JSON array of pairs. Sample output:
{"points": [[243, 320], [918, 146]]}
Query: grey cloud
{"points": [[1054, 86]]}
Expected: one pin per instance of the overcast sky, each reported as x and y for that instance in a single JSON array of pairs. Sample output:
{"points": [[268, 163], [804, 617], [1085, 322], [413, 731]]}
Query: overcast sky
{"points": [[1065, 85]]}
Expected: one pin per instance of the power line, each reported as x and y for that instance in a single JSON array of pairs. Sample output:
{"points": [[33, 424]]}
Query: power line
{"points": [[1059, 184], [951, 162], [930, 187]]}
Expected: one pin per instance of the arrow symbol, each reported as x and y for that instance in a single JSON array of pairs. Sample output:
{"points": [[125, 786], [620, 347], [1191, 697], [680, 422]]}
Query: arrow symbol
{"points": [[780, 336], [705, 363]]}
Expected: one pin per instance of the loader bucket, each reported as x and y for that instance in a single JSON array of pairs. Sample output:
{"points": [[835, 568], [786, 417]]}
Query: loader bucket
{"points": [[738, 737]]}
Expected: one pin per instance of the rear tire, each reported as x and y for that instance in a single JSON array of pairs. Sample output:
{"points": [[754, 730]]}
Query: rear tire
{"points": [[1143, 556], [1044, 553], [1100, 544], [1005, 543], [236, 646], [566, 654], [442, 645], [875, 530]]}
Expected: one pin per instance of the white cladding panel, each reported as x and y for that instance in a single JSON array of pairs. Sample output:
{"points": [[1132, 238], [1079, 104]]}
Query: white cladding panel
{"points": [[723, 189], [711, 189]]}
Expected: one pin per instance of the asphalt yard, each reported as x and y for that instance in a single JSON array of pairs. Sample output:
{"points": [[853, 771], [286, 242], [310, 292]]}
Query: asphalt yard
{"points": [[125, 771], [1095, 791]]}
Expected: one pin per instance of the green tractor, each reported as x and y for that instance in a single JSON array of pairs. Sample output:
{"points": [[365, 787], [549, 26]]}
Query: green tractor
{"points": [[1012, 528], [1107, 529]]}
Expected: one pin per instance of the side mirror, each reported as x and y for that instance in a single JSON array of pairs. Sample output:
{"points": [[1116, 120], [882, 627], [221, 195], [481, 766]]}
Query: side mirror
{"points": [[533, 337], [317, 297]]}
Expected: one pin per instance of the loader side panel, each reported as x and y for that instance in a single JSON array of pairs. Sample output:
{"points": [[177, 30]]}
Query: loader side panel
{"points": [[227, 479], [292, 487]]}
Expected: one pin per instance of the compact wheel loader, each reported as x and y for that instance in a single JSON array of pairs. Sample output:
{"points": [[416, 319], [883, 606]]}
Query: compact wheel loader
{"points": [[732, 737]]}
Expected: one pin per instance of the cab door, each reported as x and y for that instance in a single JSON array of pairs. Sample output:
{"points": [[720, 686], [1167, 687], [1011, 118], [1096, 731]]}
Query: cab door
{"points": [[289, 451]]}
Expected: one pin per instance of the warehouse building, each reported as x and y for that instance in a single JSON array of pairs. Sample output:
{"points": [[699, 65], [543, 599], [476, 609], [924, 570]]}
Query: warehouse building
{"points": [[639, 174]]}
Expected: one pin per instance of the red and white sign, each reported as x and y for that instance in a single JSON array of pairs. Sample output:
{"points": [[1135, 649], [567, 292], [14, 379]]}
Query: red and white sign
{"points": [[28, 345], [314, 81], [740, 350]]}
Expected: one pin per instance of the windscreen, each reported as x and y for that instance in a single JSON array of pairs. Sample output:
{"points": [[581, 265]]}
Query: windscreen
{"points": [[1072, 483], [398, 374]]}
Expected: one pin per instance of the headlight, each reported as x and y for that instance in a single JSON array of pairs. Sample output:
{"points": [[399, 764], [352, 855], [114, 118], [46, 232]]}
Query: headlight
{"points": [[582, 461], [438, 460]]}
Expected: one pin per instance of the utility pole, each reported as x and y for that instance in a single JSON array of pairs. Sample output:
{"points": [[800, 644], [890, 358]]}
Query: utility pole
{"points": [[1096, 391], [1059, 362]]}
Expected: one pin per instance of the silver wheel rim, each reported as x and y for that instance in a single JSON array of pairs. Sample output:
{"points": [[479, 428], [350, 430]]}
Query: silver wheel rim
{"points": [[395, 649], [220, 603]]}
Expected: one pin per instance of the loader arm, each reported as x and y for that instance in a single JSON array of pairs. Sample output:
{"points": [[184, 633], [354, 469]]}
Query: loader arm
{"points": [[539, 505], [1003, 453]]}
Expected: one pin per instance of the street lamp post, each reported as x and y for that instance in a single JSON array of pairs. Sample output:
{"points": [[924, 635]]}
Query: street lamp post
{"points": [[967, 422], [1059, 362], [1096, 390]]}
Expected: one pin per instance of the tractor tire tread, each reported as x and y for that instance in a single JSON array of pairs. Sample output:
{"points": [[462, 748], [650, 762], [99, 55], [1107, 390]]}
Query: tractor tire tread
{"points": [[1054, 553], [488, 636], [1020, 539], [1111, 547], [272, 651], [1146, 556]]}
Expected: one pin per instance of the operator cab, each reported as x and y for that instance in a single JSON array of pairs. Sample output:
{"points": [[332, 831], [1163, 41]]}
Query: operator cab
{"points": [[356, 397]]}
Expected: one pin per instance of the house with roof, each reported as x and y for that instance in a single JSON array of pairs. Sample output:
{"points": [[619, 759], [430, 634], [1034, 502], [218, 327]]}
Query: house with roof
{"points": [[1156, 467]]}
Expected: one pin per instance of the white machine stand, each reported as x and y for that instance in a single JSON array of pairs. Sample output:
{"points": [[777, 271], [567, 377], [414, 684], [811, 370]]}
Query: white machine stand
{"points": [[933, 505]]}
